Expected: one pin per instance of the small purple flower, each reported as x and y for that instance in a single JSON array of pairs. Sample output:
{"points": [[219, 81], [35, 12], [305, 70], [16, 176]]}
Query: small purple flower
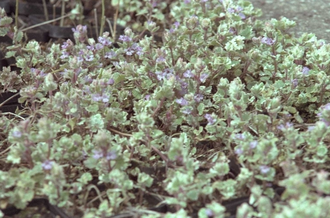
{"points": [[90, 47], [17, 134], [231, 10], [186, 110], [305, 71], [198, 97], [326, 107], [294, 82], [232, 30], [110, 82], [89, 57], [188, 74], [96, 97], [203, 77], [240, 136], [176, 24], [239, 9], [160, 75], [125, 38], [147, 97], [129, 52], [186, 1], [242, 16], [238, 151], [253, 144], [97, 154], [110, 55], [267, 41], [160, 59], [181, 101], [111, 155], [47, 165], [64, 55], [79, 29], [210, 119], [99, 46], [67, 44], [137, 49], [104, 41], [209, 212], [310, 128], [286, 126], [264, 169], [105, 98]]}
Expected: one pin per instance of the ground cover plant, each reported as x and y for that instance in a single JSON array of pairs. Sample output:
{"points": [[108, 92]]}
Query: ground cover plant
{"points": [[198, 109]]}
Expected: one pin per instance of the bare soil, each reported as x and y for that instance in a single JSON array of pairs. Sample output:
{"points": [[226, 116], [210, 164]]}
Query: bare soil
{"points": [[311, 16]]}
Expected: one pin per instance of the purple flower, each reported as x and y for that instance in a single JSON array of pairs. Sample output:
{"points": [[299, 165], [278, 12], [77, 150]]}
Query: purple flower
{"points": [[97, 154], [326, 107], [186, 1], [286, 126], [89, 57], [99, 46], [129, 51], [160, 75], [253, 144], [125, 38], [231, 10], [198, 97], [239, 9], [110, 55], [209, 212], [240, 136], [105, 98], [188, 74], [96, 97], [210, 119], [67, 44], [47, 165], [186, 110], [79, 29], [203, 77], [90, 47], [232, 30], [17, 134], [305, 71], [137, 49], [110, 82], [64, 55], [242, 16], [176, 24], [294, 82], [160, 59], [182, 101], [147, 97], [264, 169], [104, 41], [267, 41], [238, 151], [111, 155]]}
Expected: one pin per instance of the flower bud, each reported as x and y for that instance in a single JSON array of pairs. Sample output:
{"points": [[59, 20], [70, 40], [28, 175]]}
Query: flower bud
{"points": [[192, 22], [205, 23], [128, 31]]}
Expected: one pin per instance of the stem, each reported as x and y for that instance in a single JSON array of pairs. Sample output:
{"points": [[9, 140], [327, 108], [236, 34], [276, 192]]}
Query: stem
{"points": [[45, 10], [62, 13], [102, 18], [16, 14]]}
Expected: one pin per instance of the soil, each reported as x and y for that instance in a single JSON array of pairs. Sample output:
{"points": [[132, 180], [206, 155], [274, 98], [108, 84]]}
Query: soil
{"points": [[311, 16]]}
